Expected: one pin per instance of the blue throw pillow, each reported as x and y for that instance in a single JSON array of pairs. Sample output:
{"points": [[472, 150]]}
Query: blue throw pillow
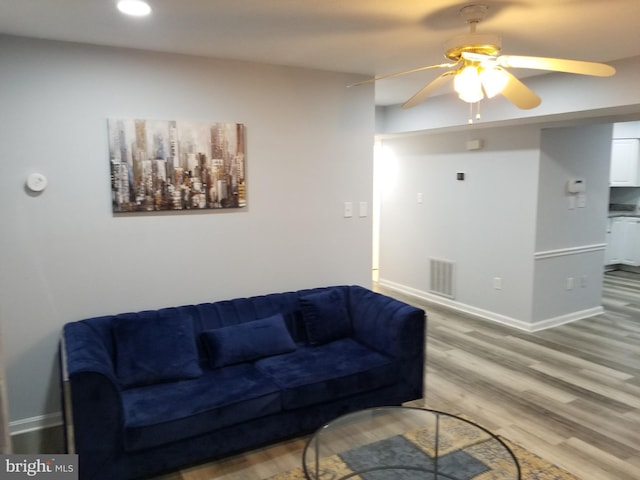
{"points": [[325, 316], [247, 341], [155, 347]]}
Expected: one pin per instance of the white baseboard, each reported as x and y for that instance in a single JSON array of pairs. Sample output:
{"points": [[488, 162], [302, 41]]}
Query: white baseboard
{"points": [[40, 422], [487, 315], [567, 318]]}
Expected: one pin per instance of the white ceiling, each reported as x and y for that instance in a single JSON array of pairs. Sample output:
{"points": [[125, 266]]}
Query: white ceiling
{"points": [[371, 37]]}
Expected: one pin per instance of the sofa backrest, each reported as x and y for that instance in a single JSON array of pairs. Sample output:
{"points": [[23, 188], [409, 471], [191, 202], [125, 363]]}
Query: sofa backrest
{"points": [[207, 316]]}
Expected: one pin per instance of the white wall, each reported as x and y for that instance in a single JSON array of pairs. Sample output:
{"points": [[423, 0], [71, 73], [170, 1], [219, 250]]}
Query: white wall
{"points": [[509, 222], [486, 224], [64, 256], [567, 153], [570, 238]]}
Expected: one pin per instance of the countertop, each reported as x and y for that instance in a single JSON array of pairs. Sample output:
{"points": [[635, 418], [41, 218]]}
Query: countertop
{"points": [[613, 214]]}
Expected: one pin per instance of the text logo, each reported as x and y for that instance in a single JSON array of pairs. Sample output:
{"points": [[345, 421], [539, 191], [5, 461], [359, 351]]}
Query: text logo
{"points": [[51, 467]]}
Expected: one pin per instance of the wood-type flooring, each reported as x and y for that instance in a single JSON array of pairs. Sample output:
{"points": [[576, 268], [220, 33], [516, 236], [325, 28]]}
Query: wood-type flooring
{"points": [[570, 394]]}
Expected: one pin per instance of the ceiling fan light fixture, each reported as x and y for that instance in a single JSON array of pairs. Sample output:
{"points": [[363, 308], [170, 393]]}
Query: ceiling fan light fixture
{"points": [[136, 8], [479, 69], [468, 85], [493, 80]]}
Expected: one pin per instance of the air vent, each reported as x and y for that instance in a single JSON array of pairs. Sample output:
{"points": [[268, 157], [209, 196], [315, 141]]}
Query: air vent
{"points": [[441, 278]]}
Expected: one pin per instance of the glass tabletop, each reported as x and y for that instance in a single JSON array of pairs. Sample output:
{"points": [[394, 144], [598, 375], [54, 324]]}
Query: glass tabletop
{"points": [[404, 443]]}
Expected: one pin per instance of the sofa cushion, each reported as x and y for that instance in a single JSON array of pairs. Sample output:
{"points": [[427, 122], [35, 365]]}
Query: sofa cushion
{"points": [[325, 316], [247, 341], [154, 347], [316, 374], [164, 413]]}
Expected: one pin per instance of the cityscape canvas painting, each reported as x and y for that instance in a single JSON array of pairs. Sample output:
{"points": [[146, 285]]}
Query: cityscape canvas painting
{"points": [[175, 165]]}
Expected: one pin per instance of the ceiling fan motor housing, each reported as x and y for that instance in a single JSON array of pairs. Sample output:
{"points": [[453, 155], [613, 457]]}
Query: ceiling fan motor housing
{"points": [[482, 43]]}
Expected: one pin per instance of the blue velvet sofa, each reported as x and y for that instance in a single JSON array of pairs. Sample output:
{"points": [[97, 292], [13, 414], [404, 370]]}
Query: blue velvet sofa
{"points": [[152, 391]]}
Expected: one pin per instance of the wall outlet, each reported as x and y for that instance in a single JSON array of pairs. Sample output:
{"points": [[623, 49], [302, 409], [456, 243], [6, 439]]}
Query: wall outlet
{"points": [[497, 283], [570, 283]]}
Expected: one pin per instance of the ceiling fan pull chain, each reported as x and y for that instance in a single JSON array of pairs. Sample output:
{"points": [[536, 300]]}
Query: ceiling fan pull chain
{"points": [[477, 104]]}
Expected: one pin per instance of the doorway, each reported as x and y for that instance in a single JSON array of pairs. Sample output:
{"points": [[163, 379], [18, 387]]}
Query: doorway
{"points": [[385, 174]]}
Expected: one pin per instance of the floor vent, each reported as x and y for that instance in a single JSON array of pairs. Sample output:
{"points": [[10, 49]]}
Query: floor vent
{"points": [[441, 280]]}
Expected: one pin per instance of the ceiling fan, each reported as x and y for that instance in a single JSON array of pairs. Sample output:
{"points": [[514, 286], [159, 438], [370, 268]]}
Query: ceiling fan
{"points": [[478, 69]]}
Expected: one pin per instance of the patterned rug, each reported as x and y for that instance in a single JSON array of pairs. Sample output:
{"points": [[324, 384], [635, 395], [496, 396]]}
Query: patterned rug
{"points": [[532, 467]]}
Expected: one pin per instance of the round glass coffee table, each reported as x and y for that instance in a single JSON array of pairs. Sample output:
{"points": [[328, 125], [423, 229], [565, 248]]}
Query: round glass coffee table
{"points": [[404, 443]]}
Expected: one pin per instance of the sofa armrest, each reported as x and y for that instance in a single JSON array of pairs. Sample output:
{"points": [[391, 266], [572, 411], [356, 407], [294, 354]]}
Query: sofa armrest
{"points": [[85, 351], [93, 395], [386, 324]]}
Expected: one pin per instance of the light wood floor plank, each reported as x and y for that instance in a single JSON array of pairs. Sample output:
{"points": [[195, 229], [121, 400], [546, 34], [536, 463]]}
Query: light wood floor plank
{"points": [[595, 361]]}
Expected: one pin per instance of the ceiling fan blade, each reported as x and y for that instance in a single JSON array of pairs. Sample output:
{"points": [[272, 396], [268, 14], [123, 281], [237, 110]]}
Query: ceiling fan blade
{"points": [[423, 94], [557, 65], [406, 72], [519, 94]]}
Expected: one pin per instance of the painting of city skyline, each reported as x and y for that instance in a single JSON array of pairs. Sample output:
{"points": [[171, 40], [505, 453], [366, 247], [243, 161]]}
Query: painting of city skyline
{"points": [[176, 165]]}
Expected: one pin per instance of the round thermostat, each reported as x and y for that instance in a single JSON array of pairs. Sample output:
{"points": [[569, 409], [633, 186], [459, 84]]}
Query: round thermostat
{"points": [[36, 182]]}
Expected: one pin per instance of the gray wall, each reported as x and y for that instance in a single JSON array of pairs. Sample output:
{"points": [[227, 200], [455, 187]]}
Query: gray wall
{"points": [[508, 220], [64, 256], [568, 153], [485, 224], [569, 237]]}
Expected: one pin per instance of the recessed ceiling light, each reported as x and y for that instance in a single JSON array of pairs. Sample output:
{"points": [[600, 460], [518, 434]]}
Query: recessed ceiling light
{"points": [[136, 8]]}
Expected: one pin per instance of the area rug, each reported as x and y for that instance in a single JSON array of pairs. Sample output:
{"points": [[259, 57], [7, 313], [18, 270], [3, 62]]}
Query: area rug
{"points": [[470, 464]]}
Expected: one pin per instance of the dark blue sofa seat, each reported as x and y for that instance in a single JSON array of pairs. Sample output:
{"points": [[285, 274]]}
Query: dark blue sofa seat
{"points": [[317, 374], [156, 390], [166, 412]]}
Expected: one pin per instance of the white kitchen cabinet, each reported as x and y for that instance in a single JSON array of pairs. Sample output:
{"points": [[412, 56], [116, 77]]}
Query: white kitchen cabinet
{"points": [[609, 254], [613, 252], [623, 242], [631, 242], [625, 162]]}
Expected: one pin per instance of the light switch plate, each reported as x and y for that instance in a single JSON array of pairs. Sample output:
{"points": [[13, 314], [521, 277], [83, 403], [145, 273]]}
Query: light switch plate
{"points": [[348, 209], [363, 209], [582, 200]]}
